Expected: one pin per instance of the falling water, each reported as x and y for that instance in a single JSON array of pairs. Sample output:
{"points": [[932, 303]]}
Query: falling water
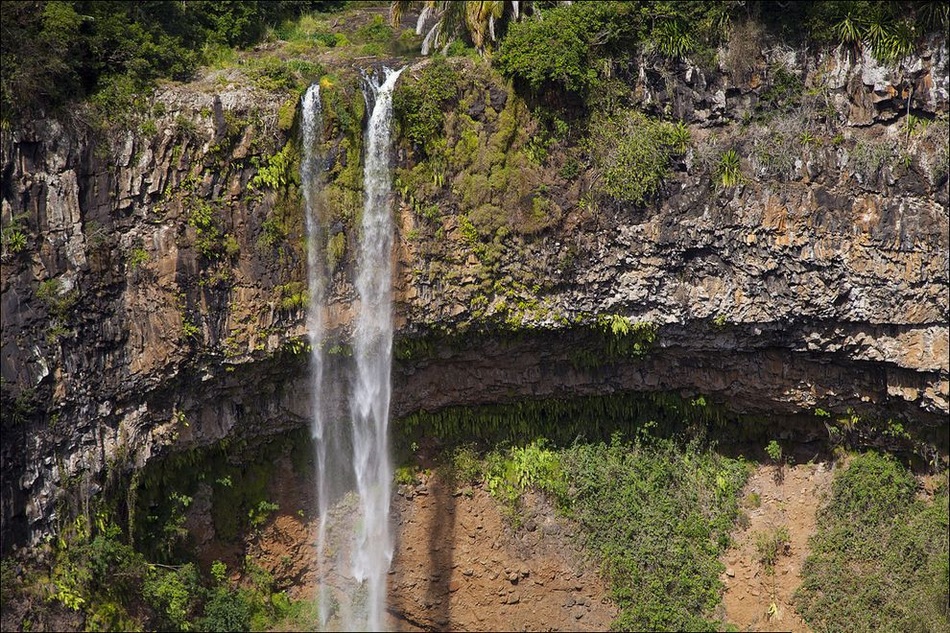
{"points": [[354, 544], [310, 172], [372, 347]]}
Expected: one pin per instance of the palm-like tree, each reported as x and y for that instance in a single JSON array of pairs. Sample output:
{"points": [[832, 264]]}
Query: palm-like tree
{"points": [[446, 20]]}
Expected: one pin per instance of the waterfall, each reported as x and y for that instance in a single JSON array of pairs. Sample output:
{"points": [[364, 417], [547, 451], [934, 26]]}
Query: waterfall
{"points": [[310, 179], [354, 541], [372, 348]]}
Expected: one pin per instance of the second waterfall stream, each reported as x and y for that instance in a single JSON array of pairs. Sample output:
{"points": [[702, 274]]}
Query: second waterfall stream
{"points": [[351, 400]]}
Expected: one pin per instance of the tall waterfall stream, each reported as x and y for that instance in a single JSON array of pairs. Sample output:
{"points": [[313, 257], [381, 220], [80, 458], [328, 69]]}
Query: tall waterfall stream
{"points": [[354, 472]]}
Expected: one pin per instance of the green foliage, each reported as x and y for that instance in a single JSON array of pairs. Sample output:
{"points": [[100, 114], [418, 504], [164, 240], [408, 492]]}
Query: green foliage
{"points": [[286, 114], [336, 249], [210, 239], [560, 420], [275, 74], [13, 237], [508, 474], [59, 51], [774, 451], [375, 31], [419, 105], [728, 170], [672, 38], [189, 330], [769, 544], [95, 572], [782, 95], [258, 515], [272, 233], [281, 170], [657, 514], [466, 465], [567, 49], [137, 257], [868, 158], [553, 53], [405, 476], [174, 594], [294, 295], [625, 339], [226, 610], [880, 558], [889, 29], [632, 154], [58, 301]]}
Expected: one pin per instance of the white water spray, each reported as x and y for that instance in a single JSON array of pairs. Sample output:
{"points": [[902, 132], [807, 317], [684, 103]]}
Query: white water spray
{"points": [[354, 541], [372, 347], [311, 180]]}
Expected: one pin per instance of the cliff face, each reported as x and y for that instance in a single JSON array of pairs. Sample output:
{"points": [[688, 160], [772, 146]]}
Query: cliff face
{"points": [[153, 285]]}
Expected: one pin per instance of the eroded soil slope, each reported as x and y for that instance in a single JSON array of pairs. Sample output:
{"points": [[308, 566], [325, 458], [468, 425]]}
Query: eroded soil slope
{"points": [[458, 566]]}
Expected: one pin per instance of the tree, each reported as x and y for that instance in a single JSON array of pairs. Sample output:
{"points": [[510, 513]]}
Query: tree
{"points": [[481, 22]]}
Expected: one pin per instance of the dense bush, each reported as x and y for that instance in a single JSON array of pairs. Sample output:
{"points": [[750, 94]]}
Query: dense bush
{"points": [[658, 515], [632, 154], [559, 52], [419, 105], [57, 51], [879, 560]]}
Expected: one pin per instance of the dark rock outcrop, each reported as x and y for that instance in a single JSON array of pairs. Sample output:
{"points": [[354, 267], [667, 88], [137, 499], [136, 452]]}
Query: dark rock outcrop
{"points": [[132, 325]]}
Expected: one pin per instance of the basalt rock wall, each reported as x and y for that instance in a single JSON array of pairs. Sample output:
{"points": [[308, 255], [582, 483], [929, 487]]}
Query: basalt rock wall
{"points": [[153, 285]]}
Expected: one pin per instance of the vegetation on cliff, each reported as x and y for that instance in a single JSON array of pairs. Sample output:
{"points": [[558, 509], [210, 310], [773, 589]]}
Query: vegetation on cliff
{"points": [[55, 52], [881, 557], [508, 145]]}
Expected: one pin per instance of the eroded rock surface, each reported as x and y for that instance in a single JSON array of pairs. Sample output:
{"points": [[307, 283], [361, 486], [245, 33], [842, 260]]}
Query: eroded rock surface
{"points": [[155, 306]]}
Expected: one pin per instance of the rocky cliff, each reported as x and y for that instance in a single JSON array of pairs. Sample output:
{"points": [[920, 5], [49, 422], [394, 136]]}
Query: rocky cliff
{"points": [[154, 293]]}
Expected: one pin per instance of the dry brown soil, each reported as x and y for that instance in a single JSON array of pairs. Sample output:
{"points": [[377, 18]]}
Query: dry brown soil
{"points": [[757, 598], [459, 565]]}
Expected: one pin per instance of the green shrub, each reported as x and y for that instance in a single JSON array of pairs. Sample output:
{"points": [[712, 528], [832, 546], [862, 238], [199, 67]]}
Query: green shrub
{"points": [[202, 216], [419, 105], [272, 233], [281, 170], [769, 545], [137, 257], [672, 38], [58, 301], [375, 31], [466, 465], [258, 515], [889, 29], [15, 239], [508, 474], [174, 594], [879, 559], [728, 170], [625, 339], [774, 451], [632, 154], [550, 53], [293, 295], [657, 514], [226, 610]]}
